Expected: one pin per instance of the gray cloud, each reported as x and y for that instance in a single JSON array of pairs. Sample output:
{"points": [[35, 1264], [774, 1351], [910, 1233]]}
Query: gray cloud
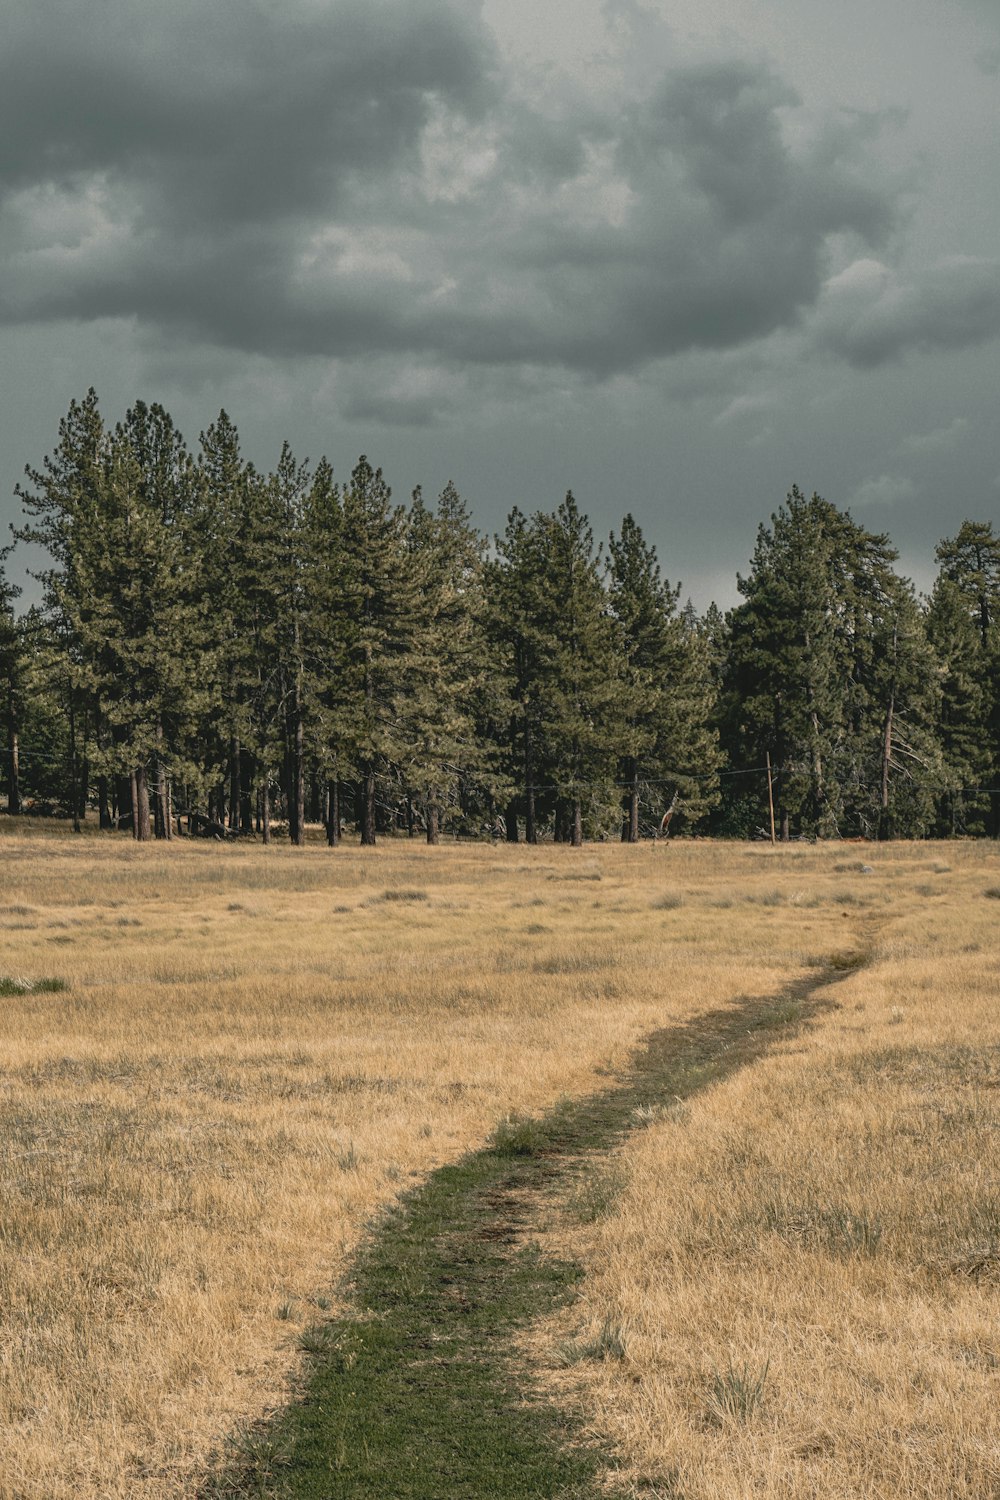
{"points": [[238, 111], [870, 316], [356, 179], [886, 490], [938, 440]]}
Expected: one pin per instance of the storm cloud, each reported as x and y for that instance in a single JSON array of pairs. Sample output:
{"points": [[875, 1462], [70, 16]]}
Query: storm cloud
{"points": [[672, 254], [352, 180], [871, 316]]}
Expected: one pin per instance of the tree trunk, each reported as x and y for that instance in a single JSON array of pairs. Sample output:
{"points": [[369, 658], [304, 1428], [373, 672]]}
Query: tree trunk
{"points": [[103, 803], [510, 822], [74, 767], [785, 827], [265, 807], [884, 824], [133, 803], [884, 821], [235, 787], [530, 831], [125, 798], [432, 822], [333, 813], [576, 837], [141, 804], [162, 815], [13, 762], [630, 826], [298, 787], [411, 818], [367, 791]]}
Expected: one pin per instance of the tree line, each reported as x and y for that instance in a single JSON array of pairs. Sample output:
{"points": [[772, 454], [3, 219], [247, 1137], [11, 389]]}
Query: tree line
{"points": [[226, 651]]}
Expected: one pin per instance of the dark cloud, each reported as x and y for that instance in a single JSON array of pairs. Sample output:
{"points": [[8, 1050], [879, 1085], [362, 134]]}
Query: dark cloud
{"points": [[356, 179], [232, 111], [870, 317]]}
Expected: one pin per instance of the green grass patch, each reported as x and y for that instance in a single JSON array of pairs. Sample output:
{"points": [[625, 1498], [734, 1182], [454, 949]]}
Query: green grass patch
{"points": [[18, 985]]}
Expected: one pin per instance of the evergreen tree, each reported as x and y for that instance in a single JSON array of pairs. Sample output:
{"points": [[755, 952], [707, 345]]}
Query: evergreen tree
{"points": [[783, 670], [376, 622], [138, 625], [969, 586], [448, 662], [232, 567], [284, 498], [830, 675], [323, 650], [12, 672], [518, 630], [553, 612], [667, 691]]}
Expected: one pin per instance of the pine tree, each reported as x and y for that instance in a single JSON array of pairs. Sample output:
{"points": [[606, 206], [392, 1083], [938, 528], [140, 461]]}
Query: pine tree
{"points": [[444, 763], [285, 498], [829, 673], [138, 622], [113, 511], [667, 694], [517, 627], [580, 675], [376, 621], [231, 566], [964, 623], [12, 673], [783, 670], [323, 650]]}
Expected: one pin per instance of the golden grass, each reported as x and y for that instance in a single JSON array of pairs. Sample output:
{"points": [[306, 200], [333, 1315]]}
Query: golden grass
{"points": [[797, 1276], [257, 1048]]}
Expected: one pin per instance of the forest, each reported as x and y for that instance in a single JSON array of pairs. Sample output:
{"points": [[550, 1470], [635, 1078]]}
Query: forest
{"points": [[221, 651]]}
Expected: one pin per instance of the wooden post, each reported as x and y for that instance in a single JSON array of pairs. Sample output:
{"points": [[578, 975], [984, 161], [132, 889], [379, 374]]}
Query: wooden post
{"points": [[770, 796]]}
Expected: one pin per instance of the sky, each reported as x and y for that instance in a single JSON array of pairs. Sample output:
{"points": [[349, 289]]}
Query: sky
{"points": [[674, 257]]}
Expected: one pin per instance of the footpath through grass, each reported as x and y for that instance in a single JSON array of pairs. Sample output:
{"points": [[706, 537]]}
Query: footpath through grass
{"points": [[414, 1395]]}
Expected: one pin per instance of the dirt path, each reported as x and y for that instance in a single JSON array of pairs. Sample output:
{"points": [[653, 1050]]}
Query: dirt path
{"points": [[413, 1396]]}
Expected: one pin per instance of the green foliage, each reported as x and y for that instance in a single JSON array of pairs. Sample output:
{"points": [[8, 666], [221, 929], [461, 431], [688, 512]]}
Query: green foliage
{"points": [[246, 641], [667, 744], [829, 672], [964, 627]]}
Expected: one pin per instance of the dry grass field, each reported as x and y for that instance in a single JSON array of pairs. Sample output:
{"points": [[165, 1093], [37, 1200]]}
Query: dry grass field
{"points": [[793, 1283], [217, 1063]]}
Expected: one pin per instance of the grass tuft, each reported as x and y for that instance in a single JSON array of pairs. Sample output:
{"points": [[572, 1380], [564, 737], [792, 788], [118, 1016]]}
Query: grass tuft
{"points": [[519, 1135], [17, 984], [609, 1342], [737, 1393], [599, 1193]]}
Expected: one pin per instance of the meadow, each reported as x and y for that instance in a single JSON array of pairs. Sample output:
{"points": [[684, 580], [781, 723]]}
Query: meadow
{"points": [[217, 1064], [793, 1280]]}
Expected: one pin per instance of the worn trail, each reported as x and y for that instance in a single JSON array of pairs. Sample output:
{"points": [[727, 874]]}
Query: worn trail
{"points": [[414, 1394]]}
